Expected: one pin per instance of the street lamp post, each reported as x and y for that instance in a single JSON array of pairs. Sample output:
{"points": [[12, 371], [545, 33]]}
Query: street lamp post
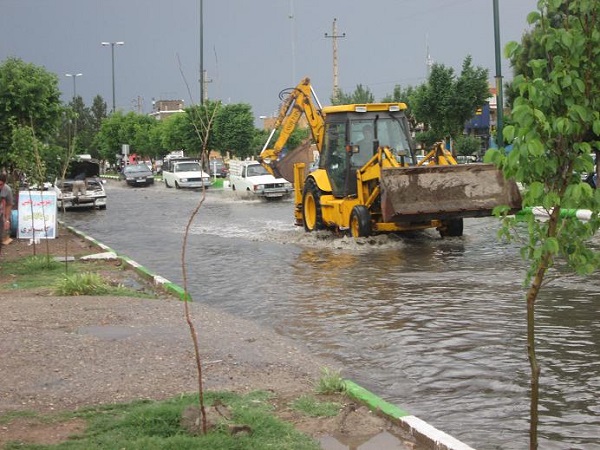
{"points": [[74, 76], [499, 97], [112, 50]]}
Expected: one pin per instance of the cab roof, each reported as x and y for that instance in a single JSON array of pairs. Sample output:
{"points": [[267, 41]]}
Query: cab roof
{"points": [[364, 107]]}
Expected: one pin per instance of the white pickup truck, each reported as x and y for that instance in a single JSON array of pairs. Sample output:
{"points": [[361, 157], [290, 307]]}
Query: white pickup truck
{"points": [[184, 173], [251, 178]]}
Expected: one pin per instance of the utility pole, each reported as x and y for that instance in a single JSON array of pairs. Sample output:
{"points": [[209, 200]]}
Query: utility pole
{"points": [[201, 73], [334, 36], [205, 81], [138, 104], [293, 37], [499, 97]]}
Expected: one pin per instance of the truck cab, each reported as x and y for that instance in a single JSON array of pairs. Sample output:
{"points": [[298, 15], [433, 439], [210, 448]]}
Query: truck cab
{"points": [[252, 178]]}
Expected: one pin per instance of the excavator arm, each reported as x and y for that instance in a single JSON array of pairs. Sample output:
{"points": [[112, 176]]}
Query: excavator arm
{"points": [[300, 101]]}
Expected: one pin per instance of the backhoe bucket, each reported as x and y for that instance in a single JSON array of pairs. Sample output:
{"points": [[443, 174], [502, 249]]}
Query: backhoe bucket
{"points": [[431, 192], [284, 168]]}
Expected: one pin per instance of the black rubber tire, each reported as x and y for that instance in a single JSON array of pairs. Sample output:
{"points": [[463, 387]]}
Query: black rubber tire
{"points": [[167, 184], [452, 228], [312, 216], [177, 185], [360, 222]]}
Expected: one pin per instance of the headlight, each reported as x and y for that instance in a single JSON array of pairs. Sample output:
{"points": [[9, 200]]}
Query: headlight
{"points": [[184, 180], [288, 185], [130, 178], [259, 187]]}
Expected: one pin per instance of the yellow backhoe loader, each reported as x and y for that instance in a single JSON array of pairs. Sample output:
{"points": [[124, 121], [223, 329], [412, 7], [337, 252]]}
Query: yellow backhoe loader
{"points": [[368, 180]]}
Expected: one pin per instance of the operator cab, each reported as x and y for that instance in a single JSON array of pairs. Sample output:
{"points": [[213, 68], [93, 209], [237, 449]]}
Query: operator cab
{"points": [[353, 135]]}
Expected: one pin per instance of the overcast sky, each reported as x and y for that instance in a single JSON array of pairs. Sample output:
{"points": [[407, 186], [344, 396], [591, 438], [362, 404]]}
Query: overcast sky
{"points": [[252, 49]]}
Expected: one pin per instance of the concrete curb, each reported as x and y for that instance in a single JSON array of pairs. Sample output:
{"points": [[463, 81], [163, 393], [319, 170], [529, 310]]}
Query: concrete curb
{"points": [[156, 280], [581, 214], [423, 433]]}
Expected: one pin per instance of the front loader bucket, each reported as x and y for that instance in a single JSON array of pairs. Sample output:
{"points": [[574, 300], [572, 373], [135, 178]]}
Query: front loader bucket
{"points": [[431, 192]]}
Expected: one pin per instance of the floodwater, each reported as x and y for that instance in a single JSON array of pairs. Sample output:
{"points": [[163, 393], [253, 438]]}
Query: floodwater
{"points": [[434, 326]]}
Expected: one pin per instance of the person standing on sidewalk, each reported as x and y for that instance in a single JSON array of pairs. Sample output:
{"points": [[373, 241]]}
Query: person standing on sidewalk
{"points": [[6, 204]]}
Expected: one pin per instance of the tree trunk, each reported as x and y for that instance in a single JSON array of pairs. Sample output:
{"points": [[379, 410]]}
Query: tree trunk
{"points": [[532, 294]]}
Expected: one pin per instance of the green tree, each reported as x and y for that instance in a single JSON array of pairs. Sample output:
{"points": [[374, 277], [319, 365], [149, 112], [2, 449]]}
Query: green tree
{"points": [[109, 139], [446, 102], [555, 127], [132, 129], [191, 131], [234, 129], [360, 95], [403, 95], [468, 146], [29, 97], [23, 154], [176, 131]]}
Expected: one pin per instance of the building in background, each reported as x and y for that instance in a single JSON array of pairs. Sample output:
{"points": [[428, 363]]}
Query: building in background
{"points": [[164, 108]]}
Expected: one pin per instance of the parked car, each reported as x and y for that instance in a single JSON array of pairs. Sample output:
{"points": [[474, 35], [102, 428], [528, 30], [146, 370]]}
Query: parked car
{"points": [[137, 175], [217, 168], [90, 195]]}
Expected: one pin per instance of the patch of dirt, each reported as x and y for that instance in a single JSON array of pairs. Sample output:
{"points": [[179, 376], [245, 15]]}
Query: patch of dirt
{"points": [[32, 431], [64, 353], [66, 243]]}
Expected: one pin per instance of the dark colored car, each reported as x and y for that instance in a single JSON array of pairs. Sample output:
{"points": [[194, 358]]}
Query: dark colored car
{"points": [[218, 168], [137, 175]]}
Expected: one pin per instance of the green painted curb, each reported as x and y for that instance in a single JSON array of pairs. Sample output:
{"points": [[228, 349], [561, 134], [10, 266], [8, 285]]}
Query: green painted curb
{"points": [[374, 402], [167, 286], [177, 290]]}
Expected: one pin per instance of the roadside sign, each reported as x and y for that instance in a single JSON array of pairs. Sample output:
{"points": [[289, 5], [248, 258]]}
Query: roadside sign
{"points": [[37, 215]]}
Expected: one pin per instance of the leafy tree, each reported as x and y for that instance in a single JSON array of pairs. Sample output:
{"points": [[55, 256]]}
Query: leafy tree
{"points": [[402, 95], [142, 139], [132, 129], [29, 96], [445, 102], [189, 131], [468, 145], [555, 127], [234, 129], [22, 154], [156, 140], [176, 131], [76, 128], [259, 138], [360, 95], [109, 139], [54, 159]]}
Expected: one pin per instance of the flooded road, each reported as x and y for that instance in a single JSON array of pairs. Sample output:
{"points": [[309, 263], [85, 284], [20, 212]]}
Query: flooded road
{"points": [[434, 326]]}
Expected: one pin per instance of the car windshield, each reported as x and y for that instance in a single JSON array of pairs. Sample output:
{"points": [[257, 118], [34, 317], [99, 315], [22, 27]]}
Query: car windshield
{"points": [[256, 170], [188, 167], [138, 168]]}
